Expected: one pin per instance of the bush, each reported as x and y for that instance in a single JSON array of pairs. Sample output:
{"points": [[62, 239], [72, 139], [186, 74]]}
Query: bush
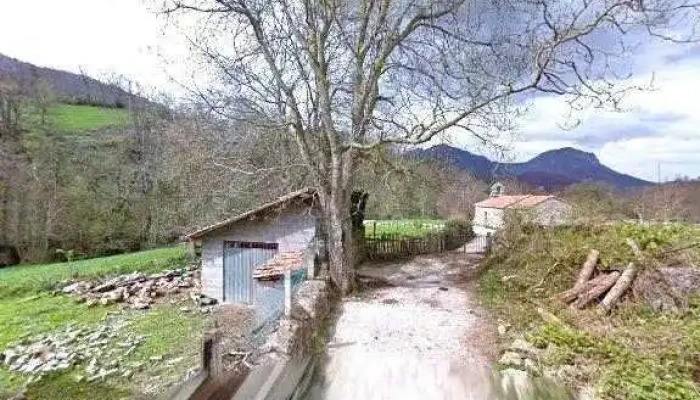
{"points": [[459, 227], [456, 232]]}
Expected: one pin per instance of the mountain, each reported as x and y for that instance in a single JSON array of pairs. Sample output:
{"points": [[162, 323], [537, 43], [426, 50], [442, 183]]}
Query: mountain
{"points": [[553, 169], [66, 86]]}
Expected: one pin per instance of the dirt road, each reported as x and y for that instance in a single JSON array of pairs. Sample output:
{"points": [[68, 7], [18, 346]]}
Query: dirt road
{"points": [[414, 332]]}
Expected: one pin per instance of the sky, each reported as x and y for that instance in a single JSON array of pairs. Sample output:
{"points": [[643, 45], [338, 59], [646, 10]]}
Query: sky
{"points": [[659, 129]]}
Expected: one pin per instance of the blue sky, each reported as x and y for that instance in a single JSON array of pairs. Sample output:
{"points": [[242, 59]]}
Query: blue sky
{"points": [[659, 126]]}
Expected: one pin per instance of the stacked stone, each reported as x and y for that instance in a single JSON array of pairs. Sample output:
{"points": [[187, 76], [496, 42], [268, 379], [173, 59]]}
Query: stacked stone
{"points": [[137, 290]]}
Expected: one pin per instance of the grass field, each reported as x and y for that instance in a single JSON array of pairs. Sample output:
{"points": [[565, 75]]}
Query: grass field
{"points": [[408, 228], [634, 354], [79, 118], [28, 307], [43, 277]]}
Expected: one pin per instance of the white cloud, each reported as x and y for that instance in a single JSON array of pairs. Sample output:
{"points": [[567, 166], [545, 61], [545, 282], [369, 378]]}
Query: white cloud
{"points": [[124, 37], [98, 37], [658, 127]]}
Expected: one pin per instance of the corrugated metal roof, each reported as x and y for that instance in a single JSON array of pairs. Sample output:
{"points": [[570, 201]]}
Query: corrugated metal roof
{"points": [[305, 193]]}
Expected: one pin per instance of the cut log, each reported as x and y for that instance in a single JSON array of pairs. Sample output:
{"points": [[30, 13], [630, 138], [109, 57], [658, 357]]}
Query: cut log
{"points": [[618, 289], [588, 267], [596, 291], [570, 295]]}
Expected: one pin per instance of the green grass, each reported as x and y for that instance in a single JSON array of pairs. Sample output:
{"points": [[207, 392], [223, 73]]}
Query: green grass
{"points": [[42, 277], [168, 331], [29, 316], [634, 354], [28, 309], [63, 386], [78, 118], [405, 228], [33, 315]]}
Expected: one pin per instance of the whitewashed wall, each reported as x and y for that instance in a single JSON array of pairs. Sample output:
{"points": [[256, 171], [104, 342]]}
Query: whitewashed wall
{"points": [[487, 220], [292, 230]]}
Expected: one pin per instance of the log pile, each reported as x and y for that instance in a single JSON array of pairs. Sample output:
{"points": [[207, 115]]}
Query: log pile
{"points": [[610, 285]]}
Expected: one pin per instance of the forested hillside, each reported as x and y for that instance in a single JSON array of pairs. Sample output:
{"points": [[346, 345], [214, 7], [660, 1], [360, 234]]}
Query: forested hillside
{"points": [[103, 180]]}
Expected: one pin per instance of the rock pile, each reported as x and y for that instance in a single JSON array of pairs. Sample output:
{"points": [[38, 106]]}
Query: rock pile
{"points": [[100, 349], [136, 290]]}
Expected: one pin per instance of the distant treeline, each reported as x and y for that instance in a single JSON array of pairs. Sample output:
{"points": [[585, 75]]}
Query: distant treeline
{"points": [[151, 177]]}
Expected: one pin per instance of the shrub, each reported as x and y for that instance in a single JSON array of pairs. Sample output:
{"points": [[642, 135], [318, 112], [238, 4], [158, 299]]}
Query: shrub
{"points": [[459, 227]]}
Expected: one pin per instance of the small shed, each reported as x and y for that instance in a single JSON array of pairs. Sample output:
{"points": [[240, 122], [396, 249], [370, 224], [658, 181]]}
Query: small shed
{"points": [[489, 214], [241, 255]]}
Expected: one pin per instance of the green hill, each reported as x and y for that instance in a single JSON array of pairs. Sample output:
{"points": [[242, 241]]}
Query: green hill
{"points": [[72, 118]]}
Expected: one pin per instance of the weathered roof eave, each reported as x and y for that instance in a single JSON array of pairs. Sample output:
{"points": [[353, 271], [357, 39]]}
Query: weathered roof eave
{"points": [[299, 194]]}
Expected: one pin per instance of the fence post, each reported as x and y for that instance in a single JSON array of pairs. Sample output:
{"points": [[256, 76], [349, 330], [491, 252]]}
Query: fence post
{"points": [[211, 354], [287, 293]]}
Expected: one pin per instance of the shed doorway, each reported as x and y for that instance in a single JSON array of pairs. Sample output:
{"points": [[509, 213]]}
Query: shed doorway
{"points": [[240, 261]]}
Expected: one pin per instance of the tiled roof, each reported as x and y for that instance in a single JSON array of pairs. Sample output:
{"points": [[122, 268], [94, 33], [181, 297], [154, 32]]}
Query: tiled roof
{"points": [[521, 201], [304, 194], [290, 260]]}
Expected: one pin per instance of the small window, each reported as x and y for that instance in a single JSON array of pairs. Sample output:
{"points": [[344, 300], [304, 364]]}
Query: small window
{"points": [[486, 217]]}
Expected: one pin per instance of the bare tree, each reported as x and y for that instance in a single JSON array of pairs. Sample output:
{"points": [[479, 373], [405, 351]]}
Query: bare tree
{"points": [[348, 76], [666, 202], [462, 192]]}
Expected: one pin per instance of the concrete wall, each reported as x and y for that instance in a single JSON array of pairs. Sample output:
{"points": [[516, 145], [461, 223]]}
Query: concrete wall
{"points": [[292, 229]]}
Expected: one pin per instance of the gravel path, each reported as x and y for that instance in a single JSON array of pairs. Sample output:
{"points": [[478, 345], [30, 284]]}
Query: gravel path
{"points": [[414, 332]]}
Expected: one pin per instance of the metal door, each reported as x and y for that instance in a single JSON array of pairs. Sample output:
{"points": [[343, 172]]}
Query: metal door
{"points": [[240, 261]]}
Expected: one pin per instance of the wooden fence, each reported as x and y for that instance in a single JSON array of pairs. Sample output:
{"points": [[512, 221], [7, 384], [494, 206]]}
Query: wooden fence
{"points": [[398, 247]]}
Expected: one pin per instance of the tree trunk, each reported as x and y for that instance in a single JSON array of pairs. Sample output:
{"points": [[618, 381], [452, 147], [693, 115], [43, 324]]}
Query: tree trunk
{"points": [[339, 239], [619, 289], [597, 290], [587, 269]]}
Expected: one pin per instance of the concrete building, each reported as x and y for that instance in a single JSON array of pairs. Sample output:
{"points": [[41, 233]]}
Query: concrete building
{"points": [[242, 254]]}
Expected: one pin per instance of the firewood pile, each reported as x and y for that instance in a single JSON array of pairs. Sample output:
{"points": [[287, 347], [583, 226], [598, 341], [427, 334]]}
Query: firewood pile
{"points": [[610, 285]]}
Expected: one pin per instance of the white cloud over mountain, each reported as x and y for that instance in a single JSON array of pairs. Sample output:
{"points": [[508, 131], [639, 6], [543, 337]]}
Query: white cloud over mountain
{"points": [[659, 126]]}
